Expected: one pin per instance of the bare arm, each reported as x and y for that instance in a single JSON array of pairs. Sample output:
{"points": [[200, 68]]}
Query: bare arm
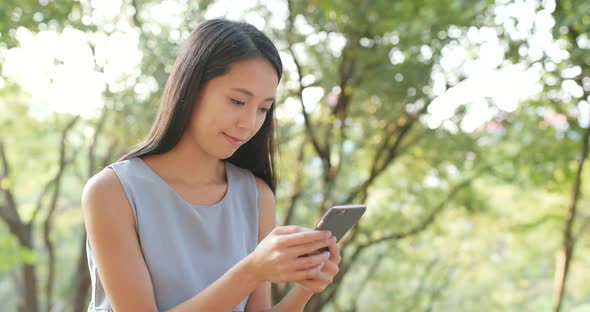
{"points": [[115, 247], [111, 232], [225, 293], [260, 299]]}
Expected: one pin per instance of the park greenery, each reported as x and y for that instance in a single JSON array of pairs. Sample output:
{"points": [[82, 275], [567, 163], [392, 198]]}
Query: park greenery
{"points": [[490, 217]]}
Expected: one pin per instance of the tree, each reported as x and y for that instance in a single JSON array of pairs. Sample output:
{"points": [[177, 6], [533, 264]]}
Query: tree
{"points": [[565, 68], [354, 126], [377, 86]]}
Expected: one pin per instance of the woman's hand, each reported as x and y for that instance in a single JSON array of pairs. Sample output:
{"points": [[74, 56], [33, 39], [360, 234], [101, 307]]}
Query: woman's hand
{"points": [[329, 270], [277, 256]]}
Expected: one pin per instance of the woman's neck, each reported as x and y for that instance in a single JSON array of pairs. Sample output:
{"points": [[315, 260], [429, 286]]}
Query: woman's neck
{"points": [[188, 164]]}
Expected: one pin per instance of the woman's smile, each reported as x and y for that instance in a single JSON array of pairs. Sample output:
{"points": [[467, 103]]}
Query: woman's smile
{"points": [[233, 140]]}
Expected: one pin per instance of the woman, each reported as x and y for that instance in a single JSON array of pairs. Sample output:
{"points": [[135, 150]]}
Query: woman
{"points": [[186, 221]]}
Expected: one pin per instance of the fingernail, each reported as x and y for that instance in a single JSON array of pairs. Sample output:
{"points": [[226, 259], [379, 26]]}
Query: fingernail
{"points": [[326, 255]]}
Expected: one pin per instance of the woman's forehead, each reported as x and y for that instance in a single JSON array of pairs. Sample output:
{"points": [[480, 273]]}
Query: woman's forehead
{"points": [[257, 76]]}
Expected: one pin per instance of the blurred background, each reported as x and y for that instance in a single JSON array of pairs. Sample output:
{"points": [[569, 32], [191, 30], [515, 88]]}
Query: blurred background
{"points": [[462, 125]]}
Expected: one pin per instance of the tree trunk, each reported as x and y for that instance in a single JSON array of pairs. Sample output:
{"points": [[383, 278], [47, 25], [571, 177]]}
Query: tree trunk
{"points": [[567, 246], [30, 281], [81, 279], [31, 300]]}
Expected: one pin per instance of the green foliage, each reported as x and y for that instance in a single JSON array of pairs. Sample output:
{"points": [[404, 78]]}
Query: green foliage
{"points": [[12, 254], [482, 212]]}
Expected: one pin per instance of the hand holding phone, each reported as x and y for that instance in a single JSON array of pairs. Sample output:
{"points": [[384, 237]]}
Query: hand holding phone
{"points": [[338, 220]]}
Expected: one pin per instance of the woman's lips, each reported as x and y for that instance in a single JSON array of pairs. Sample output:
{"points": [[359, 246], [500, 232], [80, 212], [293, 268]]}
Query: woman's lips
{"points": [[233, 140]]}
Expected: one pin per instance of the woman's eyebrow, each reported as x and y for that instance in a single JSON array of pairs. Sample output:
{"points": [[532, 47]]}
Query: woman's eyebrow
{"points": [[249, 93]]}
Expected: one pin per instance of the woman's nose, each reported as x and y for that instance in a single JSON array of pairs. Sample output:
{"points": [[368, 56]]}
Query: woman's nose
{"points": [[247, 119]]}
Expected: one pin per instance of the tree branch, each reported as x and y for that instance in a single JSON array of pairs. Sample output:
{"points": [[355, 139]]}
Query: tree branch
{"points": [[438, 291], [297, 189], [533, 224], [8, 211], [320, 150], [345, 266], [372, 270], [420, 287], [308, 128], [108, 157], [91, 149], [5, 169], [39, 206], [585, 223], [378, 166], [47, 224], [431, 217], [567, 246]]}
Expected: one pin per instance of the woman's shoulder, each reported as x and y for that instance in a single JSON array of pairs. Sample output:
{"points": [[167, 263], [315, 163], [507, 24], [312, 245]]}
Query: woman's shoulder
{"points": [[102, 183], [103, 194], [107, 181], [264, 191], [104, 204]]}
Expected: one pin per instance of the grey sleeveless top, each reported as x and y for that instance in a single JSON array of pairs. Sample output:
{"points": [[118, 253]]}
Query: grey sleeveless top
{"points": [[185, 247]]}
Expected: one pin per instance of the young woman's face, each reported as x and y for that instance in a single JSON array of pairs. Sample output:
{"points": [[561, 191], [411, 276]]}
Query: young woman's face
{"points": [[231, 108]]}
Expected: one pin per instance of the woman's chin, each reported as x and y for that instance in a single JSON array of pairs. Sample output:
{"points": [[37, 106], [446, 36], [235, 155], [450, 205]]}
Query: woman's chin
{"points": [[226, 154]]}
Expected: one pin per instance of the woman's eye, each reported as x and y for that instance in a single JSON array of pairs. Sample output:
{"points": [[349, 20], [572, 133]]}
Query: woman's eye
{"points": [[264, 109], [237, 102]]}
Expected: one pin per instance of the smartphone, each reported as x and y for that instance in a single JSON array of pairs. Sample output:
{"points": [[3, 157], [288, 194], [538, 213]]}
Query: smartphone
{"points": [[339, 219]]}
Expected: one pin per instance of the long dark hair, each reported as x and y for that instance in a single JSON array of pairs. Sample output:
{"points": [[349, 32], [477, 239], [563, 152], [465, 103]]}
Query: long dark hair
{"points": [[208, 52]]}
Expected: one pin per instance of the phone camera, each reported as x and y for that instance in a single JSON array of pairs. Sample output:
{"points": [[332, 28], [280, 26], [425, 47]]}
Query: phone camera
{"points": [[341, 212]]}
